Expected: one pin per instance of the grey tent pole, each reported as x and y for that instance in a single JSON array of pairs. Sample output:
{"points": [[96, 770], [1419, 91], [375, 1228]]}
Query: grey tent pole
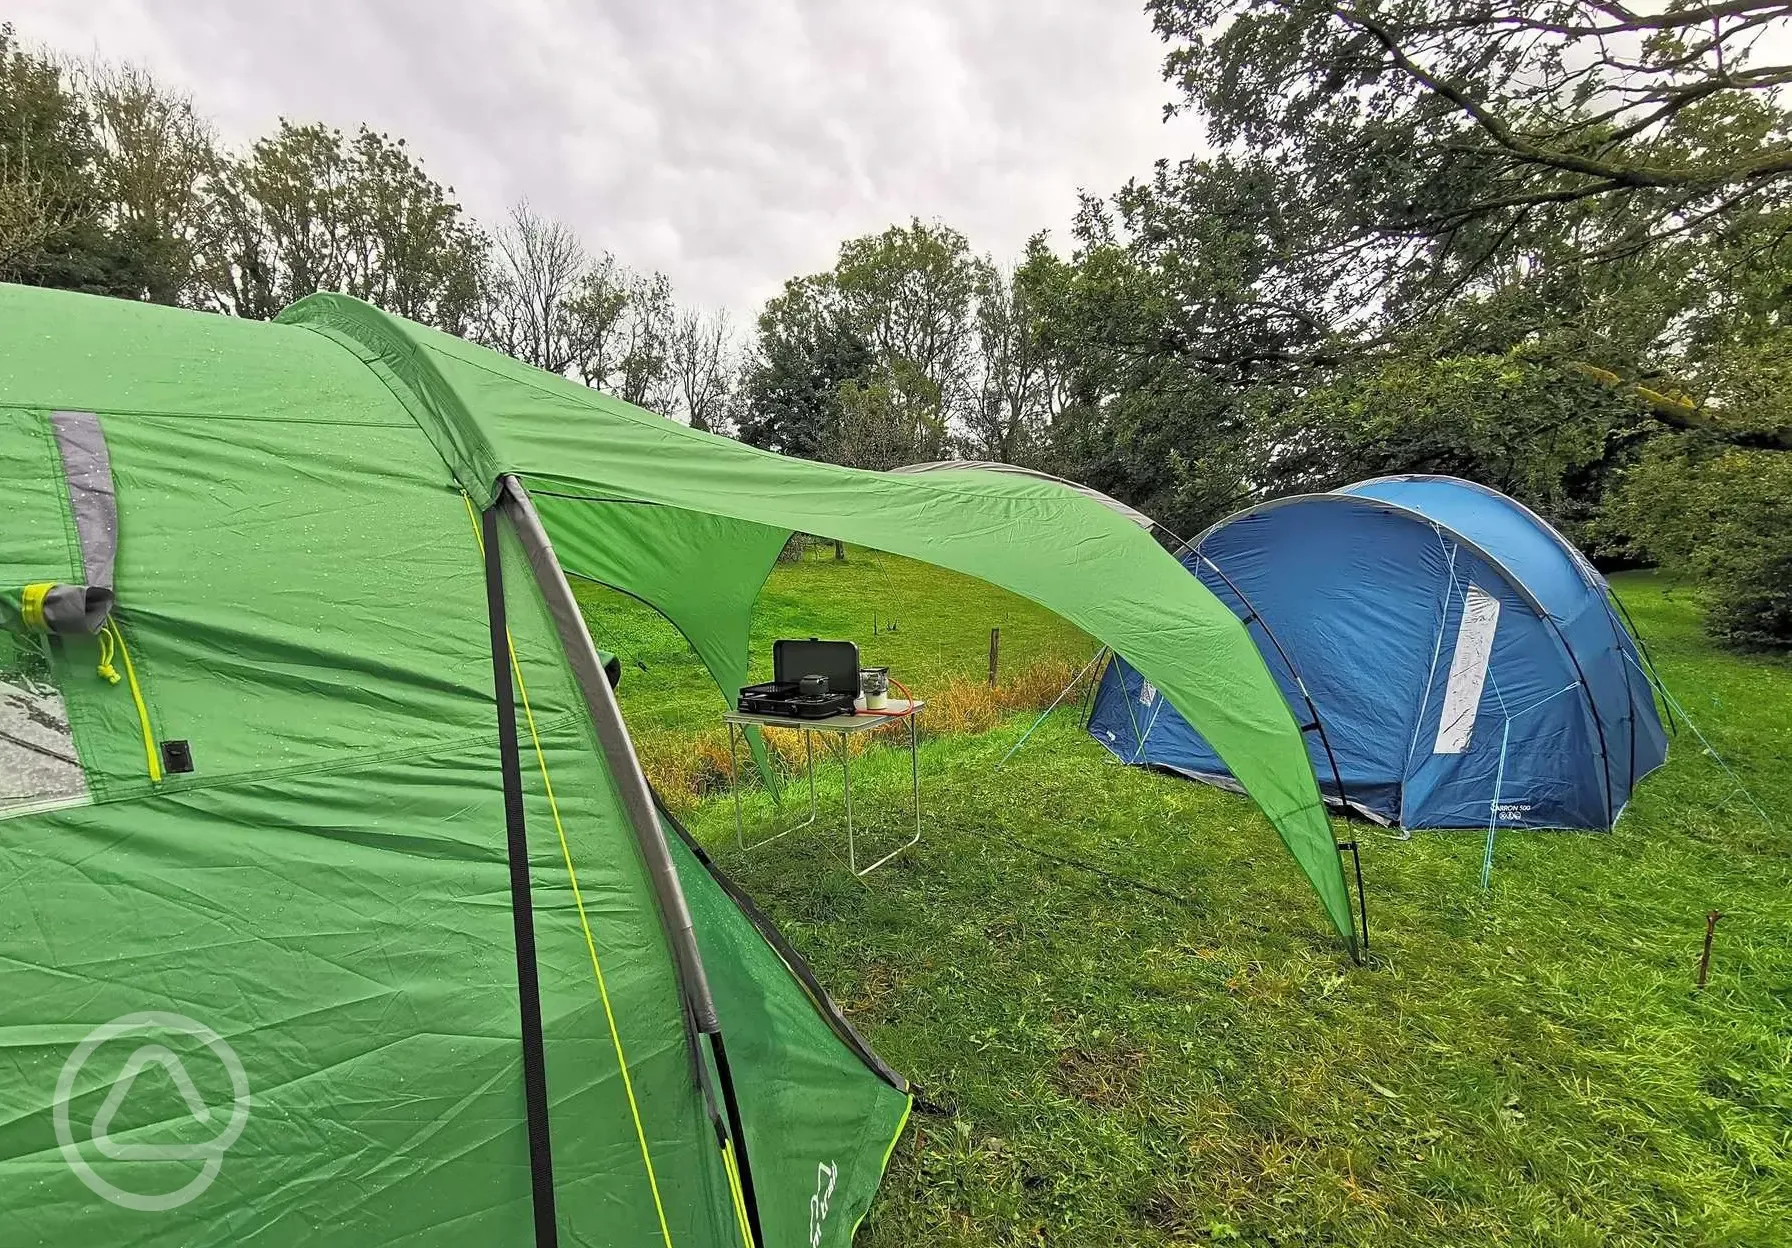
{"points": [[638, 805], [619, 751]]}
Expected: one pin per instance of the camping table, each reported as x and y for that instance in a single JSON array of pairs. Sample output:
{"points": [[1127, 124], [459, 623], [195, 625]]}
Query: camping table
{"points": [[840, 727]]}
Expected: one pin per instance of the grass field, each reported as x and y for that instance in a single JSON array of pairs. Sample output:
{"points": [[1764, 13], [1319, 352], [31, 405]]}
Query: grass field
{"points": [[931, 627], [1141, 1030]]}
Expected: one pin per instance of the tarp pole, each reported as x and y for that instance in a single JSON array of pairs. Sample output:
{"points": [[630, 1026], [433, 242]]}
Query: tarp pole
{"points": [[637, 803], [1316, 724]]}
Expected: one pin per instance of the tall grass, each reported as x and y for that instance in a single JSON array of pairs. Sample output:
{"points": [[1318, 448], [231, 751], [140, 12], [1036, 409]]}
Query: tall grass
{"points": [[687, 767]]}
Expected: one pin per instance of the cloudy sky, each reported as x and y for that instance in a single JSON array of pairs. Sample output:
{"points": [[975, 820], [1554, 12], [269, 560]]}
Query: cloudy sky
{"points": [[731, 143]]}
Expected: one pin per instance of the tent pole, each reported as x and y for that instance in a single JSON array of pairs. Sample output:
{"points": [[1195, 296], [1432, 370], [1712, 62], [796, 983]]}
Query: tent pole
{"points": [[1316, 725], [522, 909], [1605, 762], [637, 803], [1652, 677], [619, 750], [1611, 619], [748, 1196]]}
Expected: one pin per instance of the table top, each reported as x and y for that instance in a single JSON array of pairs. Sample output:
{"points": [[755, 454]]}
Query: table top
{"points": [[862, 721]]}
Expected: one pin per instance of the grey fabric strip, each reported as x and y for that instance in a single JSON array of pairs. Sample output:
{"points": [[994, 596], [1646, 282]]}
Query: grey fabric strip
{"points": [[619, 750], [72, 609], [88, 469]]}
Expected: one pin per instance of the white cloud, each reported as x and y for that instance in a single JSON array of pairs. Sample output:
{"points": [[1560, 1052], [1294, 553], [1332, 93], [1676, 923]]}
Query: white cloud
{"points": [[730, 144]]}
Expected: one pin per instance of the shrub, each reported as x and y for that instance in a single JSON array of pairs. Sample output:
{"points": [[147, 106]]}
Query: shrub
{"points": [[1724, 514]]}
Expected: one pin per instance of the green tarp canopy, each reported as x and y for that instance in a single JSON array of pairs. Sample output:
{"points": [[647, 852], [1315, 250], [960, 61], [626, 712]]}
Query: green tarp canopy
{"points": [[334, 906]]}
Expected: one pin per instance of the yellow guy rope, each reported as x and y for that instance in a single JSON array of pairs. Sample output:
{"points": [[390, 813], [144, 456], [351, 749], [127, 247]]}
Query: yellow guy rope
{"points": [[734, 1190], [111, 637], [572, 875], [130, 676]]}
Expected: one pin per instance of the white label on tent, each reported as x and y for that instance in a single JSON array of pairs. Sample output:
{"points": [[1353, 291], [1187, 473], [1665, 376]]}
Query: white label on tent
{"points": [[1147, 693], [1468, 671], [819, 1204]]}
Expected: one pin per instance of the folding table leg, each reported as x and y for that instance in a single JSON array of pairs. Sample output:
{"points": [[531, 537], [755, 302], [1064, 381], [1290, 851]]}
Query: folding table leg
{"points": [[734, 775], [914, 772]]}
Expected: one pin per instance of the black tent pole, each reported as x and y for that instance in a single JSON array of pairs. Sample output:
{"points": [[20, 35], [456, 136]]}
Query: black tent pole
{"points": [[1315, 725], [522, 911]]}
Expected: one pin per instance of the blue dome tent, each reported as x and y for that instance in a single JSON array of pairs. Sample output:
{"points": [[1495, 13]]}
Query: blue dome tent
{"points": [[1456, 662]]}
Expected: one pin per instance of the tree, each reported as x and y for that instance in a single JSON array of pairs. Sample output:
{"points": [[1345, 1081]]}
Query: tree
{"points": [[1011, 417], [702, 364], [645, 375], [875, 354], [1456, 124], [1038, 282], [284, 213], [1426, 150], [32, 213], [889, 417], [308, 210], [1723, 513], [806, 349], [1346, 246], [597, 313], [54, 227], [154, 161], [412, 251], [1139, 415], [1508, 421], [537, 275], [909, 293], [46, 153], [551, 304]]}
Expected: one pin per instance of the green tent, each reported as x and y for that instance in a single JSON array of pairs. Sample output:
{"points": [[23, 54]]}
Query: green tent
{"points": [[334, 907]]}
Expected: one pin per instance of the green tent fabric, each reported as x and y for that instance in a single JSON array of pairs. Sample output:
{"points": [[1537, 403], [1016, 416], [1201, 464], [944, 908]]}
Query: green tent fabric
{"points": [[712, 610], [489, 414], [262, 892]]}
